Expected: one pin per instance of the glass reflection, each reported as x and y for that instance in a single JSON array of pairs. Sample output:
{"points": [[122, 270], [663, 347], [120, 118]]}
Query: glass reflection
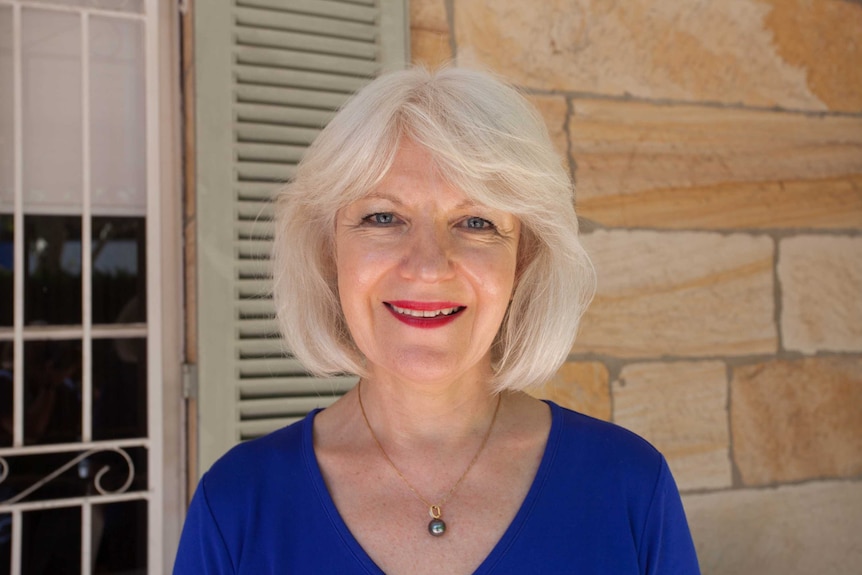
{"points": [[7, 273], [52, 280], [52, 392], [5, 541], [7, 418], [119, 388], [51, 542], [119, 270], [120, 538]]}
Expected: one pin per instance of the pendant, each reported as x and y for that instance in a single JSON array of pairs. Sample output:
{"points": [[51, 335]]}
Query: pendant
{"points": [[436, 527]]}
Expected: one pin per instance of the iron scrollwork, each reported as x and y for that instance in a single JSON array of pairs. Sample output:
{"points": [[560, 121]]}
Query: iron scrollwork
{"points": [[97, 478]]}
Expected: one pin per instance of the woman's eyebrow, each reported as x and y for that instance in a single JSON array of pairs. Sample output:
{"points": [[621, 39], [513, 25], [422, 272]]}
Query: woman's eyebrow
{"points": [[382, 196]]}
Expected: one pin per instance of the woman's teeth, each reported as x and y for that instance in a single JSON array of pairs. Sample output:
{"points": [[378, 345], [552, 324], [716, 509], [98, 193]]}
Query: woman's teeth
{"points": [[425, 313]]}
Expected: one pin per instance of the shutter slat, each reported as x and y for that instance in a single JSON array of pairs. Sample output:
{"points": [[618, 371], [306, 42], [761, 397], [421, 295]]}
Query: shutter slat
{"points": [[275, 134], [270, 367], [298, 79], [261, 328], [260, 348], [255, 191], [254, 269], [296, 386], [259, 230], [319, 7], [255, 211], [305, 43], [253, 288], [290, 116], [289, 60], [255, 428], [306, 99], [264, 172], [268, 408], [254, 249], [255, 310], [275, 20], [270, 152]]}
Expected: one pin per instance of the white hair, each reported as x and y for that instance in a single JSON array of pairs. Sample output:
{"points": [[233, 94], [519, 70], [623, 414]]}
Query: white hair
{"points": [[488, 141]]}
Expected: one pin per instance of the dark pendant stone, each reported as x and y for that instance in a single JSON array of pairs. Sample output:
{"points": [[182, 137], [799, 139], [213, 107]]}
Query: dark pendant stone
{"points": [[436, 527]]}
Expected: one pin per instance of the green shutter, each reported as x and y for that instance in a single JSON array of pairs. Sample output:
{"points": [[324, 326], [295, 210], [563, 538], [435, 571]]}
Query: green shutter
{"points": [[269, 74]]}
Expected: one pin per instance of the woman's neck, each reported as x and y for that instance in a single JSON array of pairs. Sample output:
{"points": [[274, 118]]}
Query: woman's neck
{"points": [[414, 415]]}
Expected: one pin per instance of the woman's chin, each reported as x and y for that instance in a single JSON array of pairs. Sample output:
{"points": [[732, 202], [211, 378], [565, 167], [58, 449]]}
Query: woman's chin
{"points": [[426, 367]]}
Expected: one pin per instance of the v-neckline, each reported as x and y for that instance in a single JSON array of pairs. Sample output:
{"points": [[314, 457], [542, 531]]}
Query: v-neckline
{"points": [[500, 548]]}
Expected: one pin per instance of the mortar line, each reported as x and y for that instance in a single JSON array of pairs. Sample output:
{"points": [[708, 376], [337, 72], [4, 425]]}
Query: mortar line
{"points": [[697, 103], [450, 21]]}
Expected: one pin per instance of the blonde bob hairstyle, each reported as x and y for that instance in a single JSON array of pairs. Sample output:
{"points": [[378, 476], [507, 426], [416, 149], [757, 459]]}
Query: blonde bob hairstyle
{"points": [[486, 140]]}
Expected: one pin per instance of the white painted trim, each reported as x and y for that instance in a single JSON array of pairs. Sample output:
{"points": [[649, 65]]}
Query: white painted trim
{"points": [[73, 502], [86, 243], [16, 536], [154, 291], [41, 5], [18, 234], [102, 331], [86, 537], [72, 447]]}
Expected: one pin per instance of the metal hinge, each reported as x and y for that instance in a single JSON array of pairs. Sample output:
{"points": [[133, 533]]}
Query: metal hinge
{"points": [[183, 6], [190, 381]]}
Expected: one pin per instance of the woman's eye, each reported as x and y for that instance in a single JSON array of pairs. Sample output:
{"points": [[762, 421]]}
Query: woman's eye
{"points": [[380, 219], [477, 223]]}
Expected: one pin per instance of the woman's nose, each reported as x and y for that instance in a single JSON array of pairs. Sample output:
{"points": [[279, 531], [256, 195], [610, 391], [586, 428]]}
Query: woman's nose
{"points": [[428, 255]]}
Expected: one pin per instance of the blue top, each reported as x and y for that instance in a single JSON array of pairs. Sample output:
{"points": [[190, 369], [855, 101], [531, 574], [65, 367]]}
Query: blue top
{"points": [[603, 501]]}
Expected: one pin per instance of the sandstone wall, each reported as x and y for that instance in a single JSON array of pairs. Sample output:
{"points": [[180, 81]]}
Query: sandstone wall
{"points": [[717, 152]]}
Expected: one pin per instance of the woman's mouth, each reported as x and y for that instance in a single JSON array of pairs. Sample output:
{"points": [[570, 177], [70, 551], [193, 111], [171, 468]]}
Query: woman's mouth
{"points": [[424, 314]]}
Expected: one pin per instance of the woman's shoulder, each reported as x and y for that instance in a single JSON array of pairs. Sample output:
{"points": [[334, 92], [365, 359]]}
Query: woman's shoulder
{"points": [[602, 444], [253, 464]]}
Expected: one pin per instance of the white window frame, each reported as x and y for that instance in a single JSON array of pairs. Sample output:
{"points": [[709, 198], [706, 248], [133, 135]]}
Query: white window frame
{"points": [[165, 439]]}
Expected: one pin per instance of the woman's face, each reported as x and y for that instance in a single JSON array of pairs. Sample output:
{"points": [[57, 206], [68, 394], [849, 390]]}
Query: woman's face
{"points": [[424, 274]]}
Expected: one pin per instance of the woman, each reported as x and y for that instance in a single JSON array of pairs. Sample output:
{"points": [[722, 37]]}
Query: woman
{"points": [[429, 245]]}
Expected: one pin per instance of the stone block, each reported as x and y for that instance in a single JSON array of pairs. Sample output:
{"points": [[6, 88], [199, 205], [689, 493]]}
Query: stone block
{"points": [[687, 167], [791, 530], [681, 408], [683, 294], [795, 54], [795, 420], [430, 49], [821, 293], [581, 386], [429, 33], [554, 111]]}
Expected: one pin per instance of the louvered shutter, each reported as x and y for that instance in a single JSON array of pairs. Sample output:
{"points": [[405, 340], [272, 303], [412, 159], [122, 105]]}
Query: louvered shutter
{"points": [[269, 74]]}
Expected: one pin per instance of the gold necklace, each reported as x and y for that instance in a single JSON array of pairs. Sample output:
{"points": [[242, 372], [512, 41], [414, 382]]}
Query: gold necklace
{"points": [[436, 527]]}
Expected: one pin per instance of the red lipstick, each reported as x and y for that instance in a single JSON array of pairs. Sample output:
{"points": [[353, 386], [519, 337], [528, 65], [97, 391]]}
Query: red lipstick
{"points": [[424, 314]]}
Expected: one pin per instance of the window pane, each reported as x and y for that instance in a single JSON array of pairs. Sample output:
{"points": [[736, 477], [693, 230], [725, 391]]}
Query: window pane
{"points": [[52, 391], [120, 538], [5, 540], [119, 270], [118, 116], [52, 116], [119, 388], [7, 126], [51, 541], [7, 394], [7, 272], [52, 282]]}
